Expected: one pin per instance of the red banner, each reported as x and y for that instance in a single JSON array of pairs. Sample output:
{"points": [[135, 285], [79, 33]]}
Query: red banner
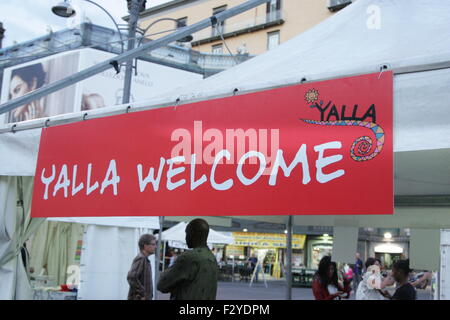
{"points": [[315, 148]]}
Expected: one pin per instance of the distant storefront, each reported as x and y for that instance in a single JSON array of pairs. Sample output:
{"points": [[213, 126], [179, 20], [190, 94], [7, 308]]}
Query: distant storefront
{"points": [[389, 252], [317, 248], [268, 248]]}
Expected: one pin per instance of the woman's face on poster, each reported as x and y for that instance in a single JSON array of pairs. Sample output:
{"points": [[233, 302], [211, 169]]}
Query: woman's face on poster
{"points": [[20, 87]]}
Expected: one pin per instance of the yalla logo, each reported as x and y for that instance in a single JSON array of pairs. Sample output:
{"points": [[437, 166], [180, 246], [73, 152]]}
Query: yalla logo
{"points": [[361, 149]]}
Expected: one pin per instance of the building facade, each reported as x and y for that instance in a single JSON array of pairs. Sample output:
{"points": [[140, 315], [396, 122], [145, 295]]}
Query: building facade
{"points": [[254, 31]]}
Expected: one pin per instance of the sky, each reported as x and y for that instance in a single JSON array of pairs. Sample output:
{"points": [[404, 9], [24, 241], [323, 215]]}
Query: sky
{"points": [[27, 19]]}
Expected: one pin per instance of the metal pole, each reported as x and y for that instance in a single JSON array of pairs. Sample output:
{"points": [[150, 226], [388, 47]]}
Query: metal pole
{"points": [[158, 254], [151, 25], [232, 269], [129, 55], [132, 24], [289, 259]]}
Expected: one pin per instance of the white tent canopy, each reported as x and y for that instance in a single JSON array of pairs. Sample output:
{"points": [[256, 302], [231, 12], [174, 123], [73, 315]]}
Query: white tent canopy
{"points": [[177, 234], [411, 34]]}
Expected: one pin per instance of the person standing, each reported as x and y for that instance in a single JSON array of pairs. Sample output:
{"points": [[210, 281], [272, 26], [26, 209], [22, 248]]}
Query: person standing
{"points": [[357, 270], [325, 283], [253, 262], [372, 285], [194, 274], [140, 275], [405, 290]]}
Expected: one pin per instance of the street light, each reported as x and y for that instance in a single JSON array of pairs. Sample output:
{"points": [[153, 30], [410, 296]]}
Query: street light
{"points": [[64, 9], [142, 5]]}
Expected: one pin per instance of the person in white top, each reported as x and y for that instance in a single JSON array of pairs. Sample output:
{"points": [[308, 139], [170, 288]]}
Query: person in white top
{"points": [[372, 284]]}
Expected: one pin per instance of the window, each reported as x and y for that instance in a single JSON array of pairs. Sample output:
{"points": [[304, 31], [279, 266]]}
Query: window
{"points": [[217, 49], [182, 22], [273, 10], [273, 39], [219, 27]]}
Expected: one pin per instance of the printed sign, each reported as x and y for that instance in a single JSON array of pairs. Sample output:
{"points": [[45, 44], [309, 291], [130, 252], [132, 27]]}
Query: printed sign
{"points": [[267, 240], [308, 149]]}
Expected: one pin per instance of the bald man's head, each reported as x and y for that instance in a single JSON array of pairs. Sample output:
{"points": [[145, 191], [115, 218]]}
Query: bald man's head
{"points": [[197, 233]]}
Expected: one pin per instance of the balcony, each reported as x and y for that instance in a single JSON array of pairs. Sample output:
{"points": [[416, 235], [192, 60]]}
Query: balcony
{"points": [[259, 22]]}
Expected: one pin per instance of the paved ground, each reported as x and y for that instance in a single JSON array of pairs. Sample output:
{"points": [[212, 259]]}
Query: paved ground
{"points": [[276, 291]]}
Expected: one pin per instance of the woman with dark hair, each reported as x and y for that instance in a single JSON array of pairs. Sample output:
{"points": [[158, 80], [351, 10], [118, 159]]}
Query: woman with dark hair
{"points": [[325, 283], [405, 290], [25, 80], [371, 262]]}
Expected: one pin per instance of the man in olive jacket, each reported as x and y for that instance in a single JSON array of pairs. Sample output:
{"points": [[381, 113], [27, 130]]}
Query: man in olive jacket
{"points": [[193, 276], [140, 275]]}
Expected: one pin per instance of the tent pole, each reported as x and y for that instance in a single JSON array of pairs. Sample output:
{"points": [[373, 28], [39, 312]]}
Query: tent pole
{"points": [[157, 254], [289, 259]]}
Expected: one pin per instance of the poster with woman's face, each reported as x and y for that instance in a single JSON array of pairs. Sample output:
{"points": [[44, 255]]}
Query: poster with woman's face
{"points": [[25, 79], [103, 89]]}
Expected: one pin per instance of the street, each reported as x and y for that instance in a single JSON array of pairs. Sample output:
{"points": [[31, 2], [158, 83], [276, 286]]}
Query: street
{"points": [[276, 290]]}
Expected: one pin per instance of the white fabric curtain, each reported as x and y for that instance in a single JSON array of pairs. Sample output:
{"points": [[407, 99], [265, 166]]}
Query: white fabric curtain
{"points": [[16, 227], [106, 258]]}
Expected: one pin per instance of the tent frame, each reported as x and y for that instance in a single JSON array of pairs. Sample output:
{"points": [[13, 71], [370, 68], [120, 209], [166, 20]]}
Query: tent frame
{"points": [[127, 108]]}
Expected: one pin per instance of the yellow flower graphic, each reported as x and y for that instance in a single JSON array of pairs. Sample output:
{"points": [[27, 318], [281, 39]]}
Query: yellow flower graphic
{"points": [[311, 95]]}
